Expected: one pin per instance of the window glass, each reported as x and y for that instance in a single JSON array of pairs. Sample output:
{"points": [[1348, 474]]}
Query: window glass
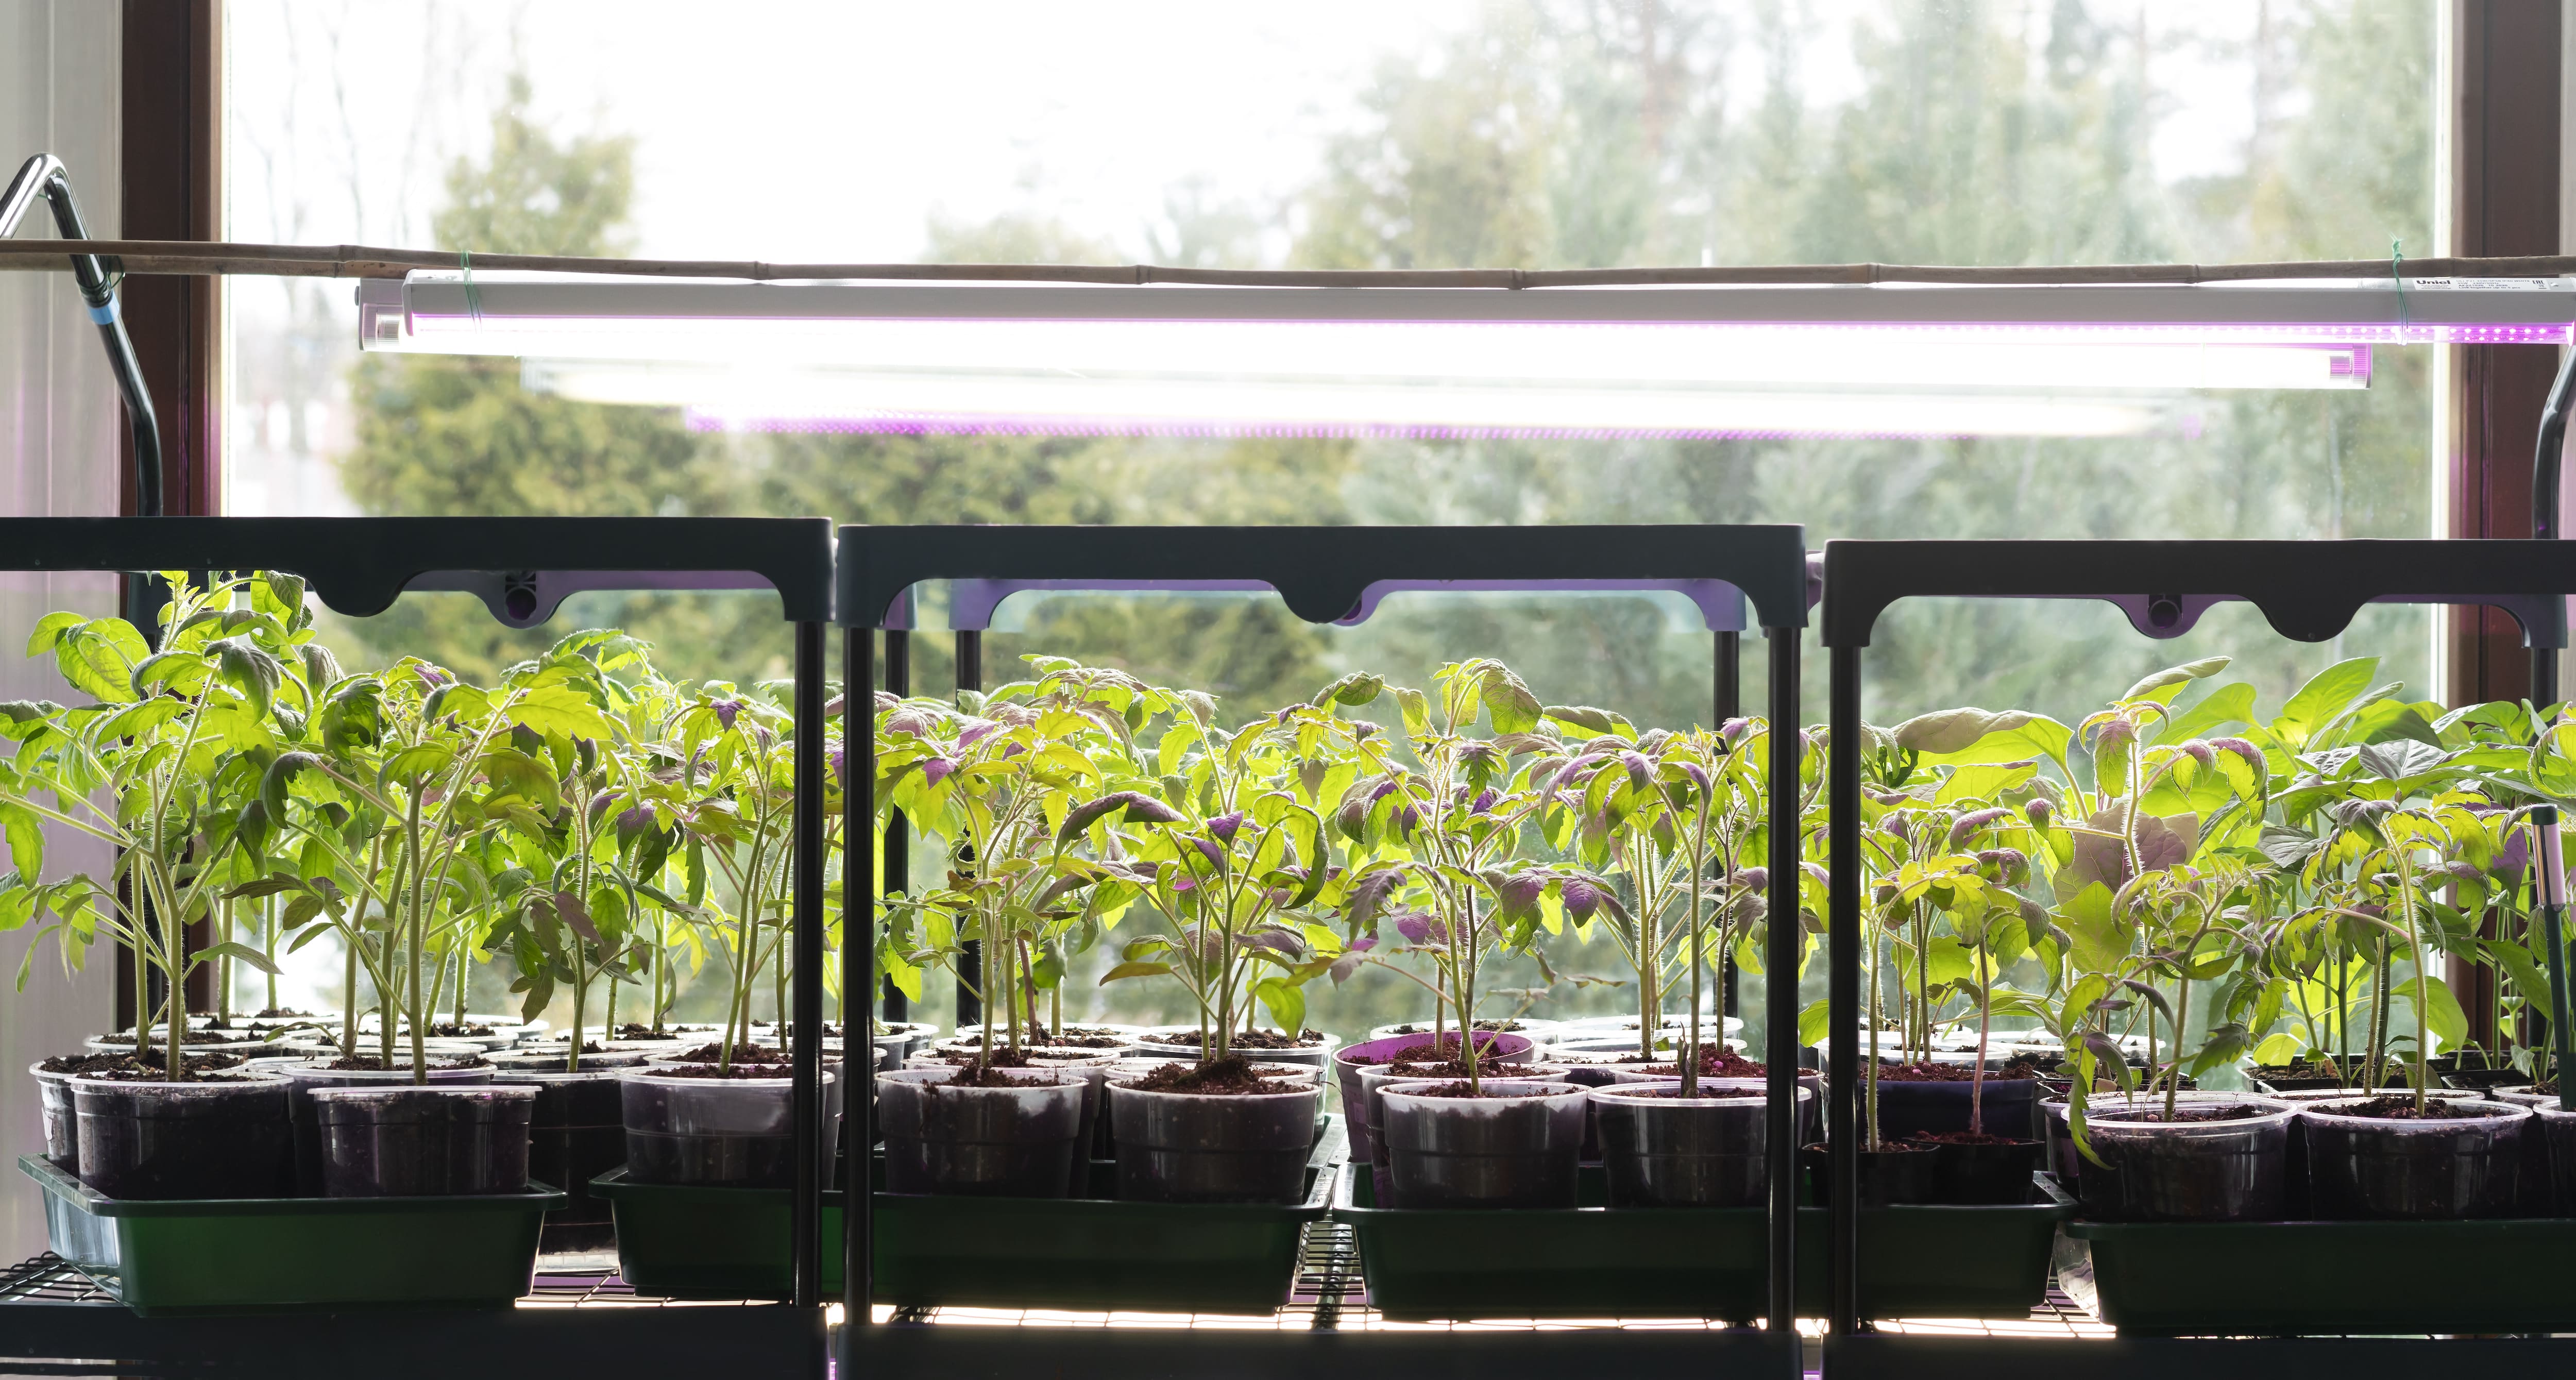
{"points": [[1340, 134]]}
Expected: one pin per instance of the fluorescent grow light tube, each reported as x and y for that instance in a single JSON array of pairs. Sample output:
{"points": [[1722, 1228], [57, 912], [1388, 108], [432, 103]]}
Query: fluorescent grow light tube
{"points": [[804, 400], [1836, 360]]}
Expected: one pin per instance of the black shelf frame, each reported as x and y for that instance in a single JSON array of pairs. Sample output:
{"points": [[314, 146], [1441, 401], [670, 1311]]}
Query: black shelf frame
{"points": [[2308, 591], [522, 568], [1324, 574]]}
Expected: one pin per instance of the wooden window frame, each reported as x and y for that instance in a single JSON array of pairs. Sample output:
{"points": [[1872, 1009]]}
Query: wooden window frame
{"points": [[170, 103]]}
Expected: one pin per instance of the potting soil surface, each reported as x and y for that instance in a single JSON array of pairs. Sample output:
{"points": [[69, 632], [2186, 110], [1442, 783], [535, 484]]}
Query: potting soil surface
{"points": [[743, 1071], [1230, 1075], [1461, 1089], [2401, 1107], [1248, 1039], [151, 1074], [712, 1050], [97, 1065], [373, 1063]]}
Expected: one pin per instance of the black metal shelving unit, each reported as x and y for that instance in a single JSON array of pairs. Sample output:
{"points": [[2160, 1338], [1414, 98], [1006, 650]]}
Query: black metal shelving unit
{"points": [[522, 568], [1323, 574], [2308, 591]]}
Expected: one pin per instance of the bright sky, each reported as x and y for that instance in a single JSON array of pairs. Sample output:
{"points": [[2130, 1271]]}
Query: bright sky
{"points": [[807, 130], [835, 130]]}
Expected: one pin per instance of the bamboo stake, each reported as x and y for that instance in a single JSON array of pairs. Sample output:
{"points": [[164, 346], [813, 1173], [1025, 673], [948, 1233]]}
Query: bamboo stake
{"points": [[199, 258]]}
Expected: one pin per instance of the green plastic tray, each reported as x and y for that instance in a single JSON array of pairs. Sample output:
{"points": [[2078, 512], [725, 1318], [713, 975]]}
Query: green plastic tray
{"points": [[711, 1243], [2329, 1278], [1086, 1253], [1589, 1262], [243, 1255]]}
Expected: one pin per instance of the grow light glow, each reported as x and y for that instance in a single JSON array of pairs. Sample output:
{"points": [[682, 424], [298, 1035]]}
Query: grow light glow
{"points": [[1845, 360]]}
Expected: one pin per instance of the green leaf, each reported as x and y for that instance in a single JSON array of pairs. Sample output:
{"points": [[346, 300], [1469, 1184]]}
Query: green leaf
{"points": [[239, 952], [1416, 707], [2165, 684], [1963, 737], [2442, 1014], [2220, 708], [2102, 942], [1285, 1001], [559, 711], [98, 657], [1131, 970], [1814, 1022], [2280, 1049], [2525, 974], [2326, 694], [1983, 780]]}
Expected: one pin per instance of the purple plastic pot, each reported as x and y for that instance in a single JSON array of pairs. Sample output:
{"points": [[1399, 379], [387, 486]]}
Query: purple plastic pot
{"points": [[1349, 1060]]}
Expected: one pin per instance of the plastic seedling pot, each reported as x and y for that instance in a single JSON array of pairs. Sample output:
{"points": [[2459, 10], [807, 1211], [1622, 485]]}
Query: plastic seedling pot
{"points": [[2438, 1168], [1514, 1146], [1180, 1147], [1971, 1174], [1588, 1262], [1907, 1108], [1095, 1066], [732, 1132], [225, 1137], [62, 1125], [416, 1142], [304, 1075], [934, 1251], [1347, 1063], [576, 1132], [2233, 1170], [191, 1256], [1659, 1150], [1896, 1174], [1811, 1103], [1019, 1140], [1374, 1080]]}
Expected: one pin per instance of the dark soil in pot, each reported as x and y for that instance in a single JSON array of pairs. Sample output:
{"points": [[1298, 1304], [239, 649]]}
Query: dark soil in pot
{"points": [[1930, 1097], [2481, 1080], [982, 1131], [1660, 1149], [713, 1052], [223, 1134], [1896, 1174], [1971, 1170], [2378, 1158], [1248, 1039], [2316, 1075], [1513, 1146], [417, 1142], [2222, 1163], [53, 1089], [161, 1038], [1215, 1133], [1418, 1028]]}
